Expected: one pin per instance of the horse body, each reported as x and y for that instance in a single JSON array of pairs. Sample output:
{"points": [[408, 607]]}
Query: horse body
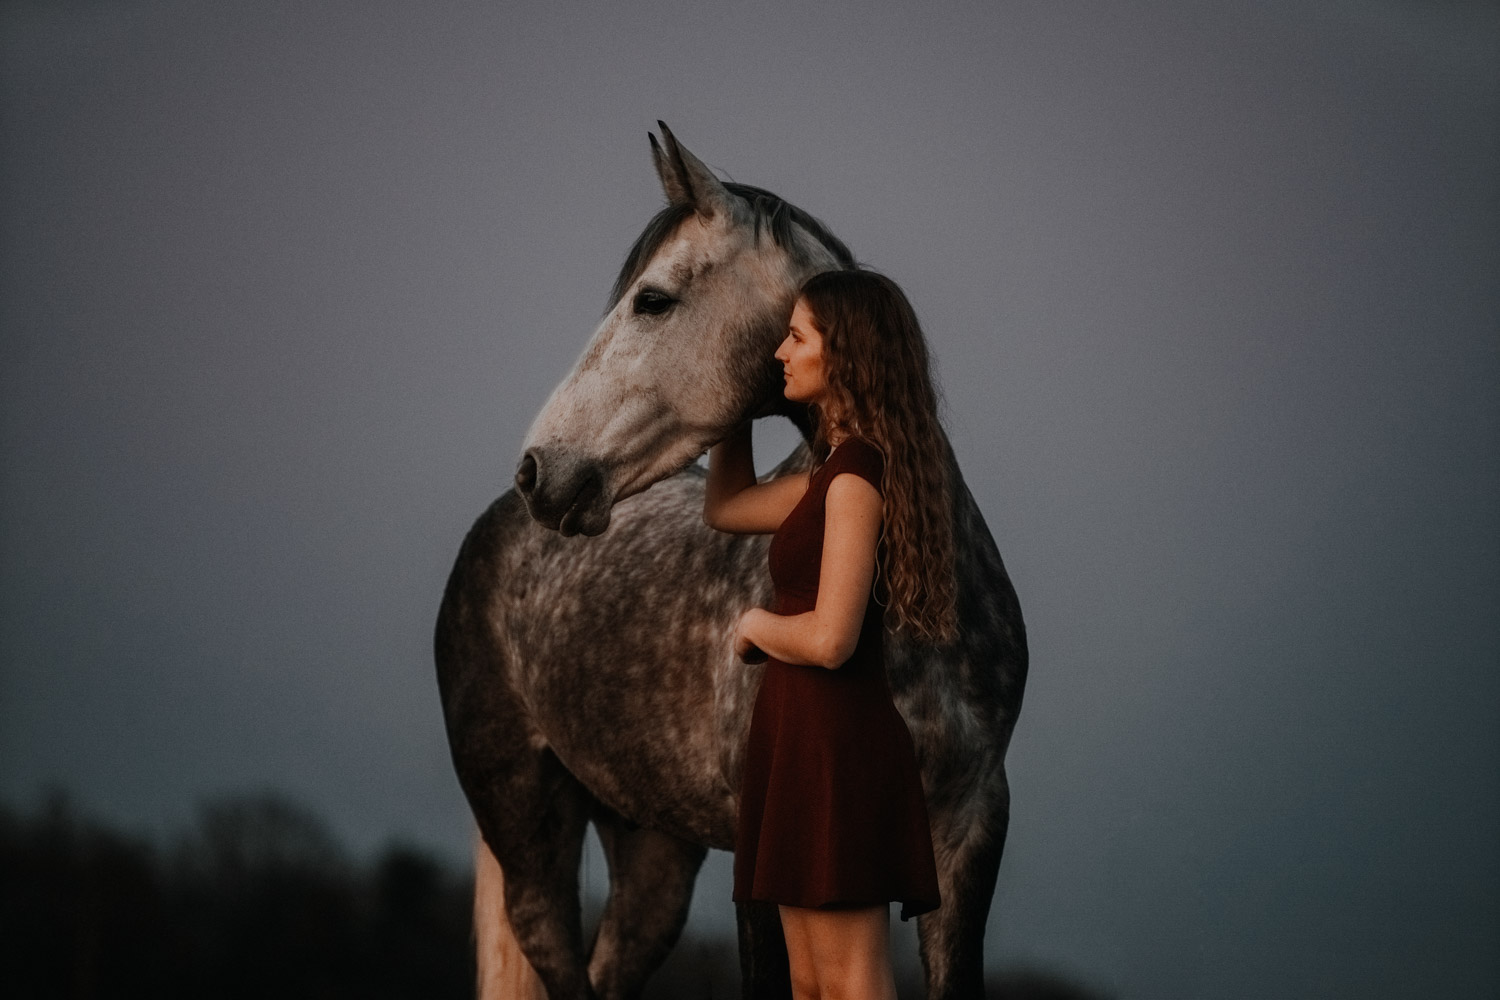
{"points": [[616, 646], [593, 678]]}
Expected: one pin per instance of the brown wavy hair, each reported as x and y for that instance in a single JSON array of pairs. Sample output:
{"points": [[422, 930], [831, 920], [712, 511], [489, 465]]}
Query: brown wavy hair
{"points": [[880, 388]]}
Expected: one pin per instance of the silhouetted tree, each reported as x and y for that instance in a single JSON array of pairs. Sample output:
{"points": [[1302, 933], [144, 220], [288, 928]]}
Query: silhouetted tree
{"points": [[258, 900]]}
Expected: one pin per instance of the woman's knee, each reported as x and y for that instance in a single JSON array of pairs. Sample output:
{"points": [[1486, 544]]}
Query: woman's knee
{"points": [[854, 954], [801, 959]]}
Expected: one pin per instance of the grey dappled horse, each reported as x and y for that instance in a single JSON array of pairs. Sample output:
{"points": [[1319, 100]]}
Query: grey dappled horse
{"points": [[587, 674]]}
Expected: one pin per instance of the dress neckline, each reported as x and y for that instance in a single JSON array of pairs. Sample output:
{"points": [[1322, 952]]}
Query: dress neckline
{"points": [[836, 447]]}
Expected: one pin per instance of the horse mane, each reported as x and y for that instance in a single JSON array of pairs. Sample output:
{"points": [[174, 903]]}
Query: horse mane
{"points": [[767, 210]]}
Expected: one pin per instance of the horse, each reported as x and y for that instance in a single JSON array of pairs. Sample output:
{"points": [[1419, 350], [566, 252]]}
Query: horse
{"points": [[584, 640]]}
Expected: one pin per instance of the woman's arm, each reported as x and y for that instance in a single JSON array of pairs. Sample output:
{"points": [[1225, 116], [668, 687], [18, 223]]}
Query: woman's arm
{"points": [[826, 636], [734, 501]]}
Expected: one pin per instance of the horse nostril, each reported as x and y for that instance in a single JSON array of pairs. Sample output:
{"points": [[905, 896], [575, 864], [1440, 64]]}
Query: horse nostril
{"points": [[526, 474]]}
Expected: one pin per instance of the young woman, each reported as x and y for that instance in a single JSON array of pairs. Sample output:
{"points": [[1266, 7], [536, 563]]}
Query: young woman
{"points": [[832, 820]]}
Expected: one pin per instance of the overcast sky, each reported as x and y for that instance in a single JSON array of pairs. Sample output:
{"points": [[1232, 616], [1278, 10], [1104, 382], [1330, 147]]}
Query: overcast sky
{"points": [[1214, 295]]}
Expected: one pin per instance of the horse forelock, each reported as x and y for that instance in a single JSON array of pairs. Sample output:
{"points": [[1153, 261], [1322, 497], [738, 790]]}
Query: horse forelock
{"points": [[662, 225]]}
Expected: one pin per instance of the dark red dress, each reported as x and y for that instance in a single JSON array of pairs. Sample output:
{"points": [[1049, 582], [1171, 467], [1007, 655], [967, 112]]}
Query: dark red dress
{"points": [[831, 808]]}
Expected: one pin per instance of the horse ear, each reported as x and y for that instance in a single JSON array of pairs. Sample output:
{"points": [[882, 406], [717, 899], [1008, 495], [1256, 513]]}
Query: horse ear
{"points": [[677, 194], [684, 177]]}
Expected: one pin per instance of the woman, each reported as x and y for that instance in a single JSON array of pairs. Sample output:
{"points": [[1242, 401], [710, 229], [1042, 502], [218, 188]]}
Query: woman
{"points": [[832, 821]]}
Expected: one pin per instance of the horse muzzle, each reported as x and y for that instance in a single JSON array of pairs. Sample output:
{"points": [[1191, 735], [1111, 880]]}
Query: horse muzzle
{"points": [[564, 492]]}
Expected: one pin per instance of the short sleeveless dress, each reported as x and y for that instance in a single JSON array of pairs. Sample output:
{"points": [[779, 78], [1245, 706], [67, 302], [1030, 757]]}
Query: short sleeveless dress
{"points": [[831, 810]]}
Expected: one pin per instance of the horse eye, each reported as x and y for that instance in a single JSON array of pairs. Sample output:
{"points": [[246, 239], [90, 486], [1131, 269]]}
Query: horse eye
{"points": [[652, 302]]}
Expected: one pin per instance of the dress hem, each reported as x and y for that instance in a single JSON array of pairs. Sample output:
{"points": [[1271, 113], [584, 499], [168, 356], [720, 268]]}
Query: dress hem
{"points": [[909, 908]]}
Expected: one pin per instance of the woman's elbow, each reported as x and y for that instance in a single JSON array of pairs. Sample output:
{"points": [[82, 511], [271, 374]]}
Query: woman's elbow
{"points": [[711, 516], [835, 651]]}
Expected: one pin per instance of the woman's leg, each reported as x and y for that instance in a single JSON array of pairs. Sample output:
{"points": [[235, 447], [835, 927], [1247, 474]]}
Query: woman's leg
{"points": [[839, 954]]}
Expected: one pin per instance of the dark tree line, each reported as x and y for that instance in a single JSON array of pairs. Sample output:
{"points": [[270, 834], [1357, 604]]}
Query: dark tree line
{"points": [[258, 900]]}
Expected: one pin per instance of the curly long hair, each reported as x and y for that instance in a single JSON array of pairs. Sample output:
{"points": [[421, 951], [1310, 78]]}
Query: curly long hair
{"points": [[880, 387]]}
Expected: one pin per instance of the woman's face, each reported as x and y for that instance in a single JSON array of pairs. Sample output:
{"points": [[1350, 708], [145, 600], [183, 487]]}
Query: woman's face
{"points": [[801, 357]]}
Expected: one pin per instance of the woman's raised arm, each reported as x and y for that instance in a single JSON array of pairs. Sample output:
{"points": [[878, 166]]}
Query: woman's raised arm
{"points": [[734, 501]]}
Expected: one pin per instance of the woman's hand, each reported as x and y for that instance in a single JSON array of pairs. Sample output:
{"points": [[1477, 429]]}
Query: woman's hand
{"points": [[744, 649]]}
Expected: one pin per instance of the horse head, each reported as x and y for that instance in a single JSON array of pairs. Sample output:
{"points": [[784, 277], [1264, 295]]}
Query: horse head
{"points": [[685, 351]]}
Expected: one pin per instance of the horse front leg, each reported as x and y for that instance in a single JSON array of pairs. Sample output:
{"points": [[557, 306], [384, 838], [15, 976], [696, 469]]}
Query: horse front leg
{"points": [[533, 822], [969, 839], [504, 972], [651, 876]]}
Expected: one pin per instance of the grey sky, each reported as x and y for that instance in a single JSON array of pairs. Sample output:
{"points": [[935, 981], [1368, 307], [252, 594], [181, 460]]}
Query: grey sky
{"points": [[1213, 295]]}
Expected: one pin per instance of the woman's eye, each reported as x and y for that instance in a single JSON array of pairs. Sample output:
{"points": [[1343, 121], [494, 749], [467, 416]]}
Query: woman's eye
{"points": [[652, 302]]}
